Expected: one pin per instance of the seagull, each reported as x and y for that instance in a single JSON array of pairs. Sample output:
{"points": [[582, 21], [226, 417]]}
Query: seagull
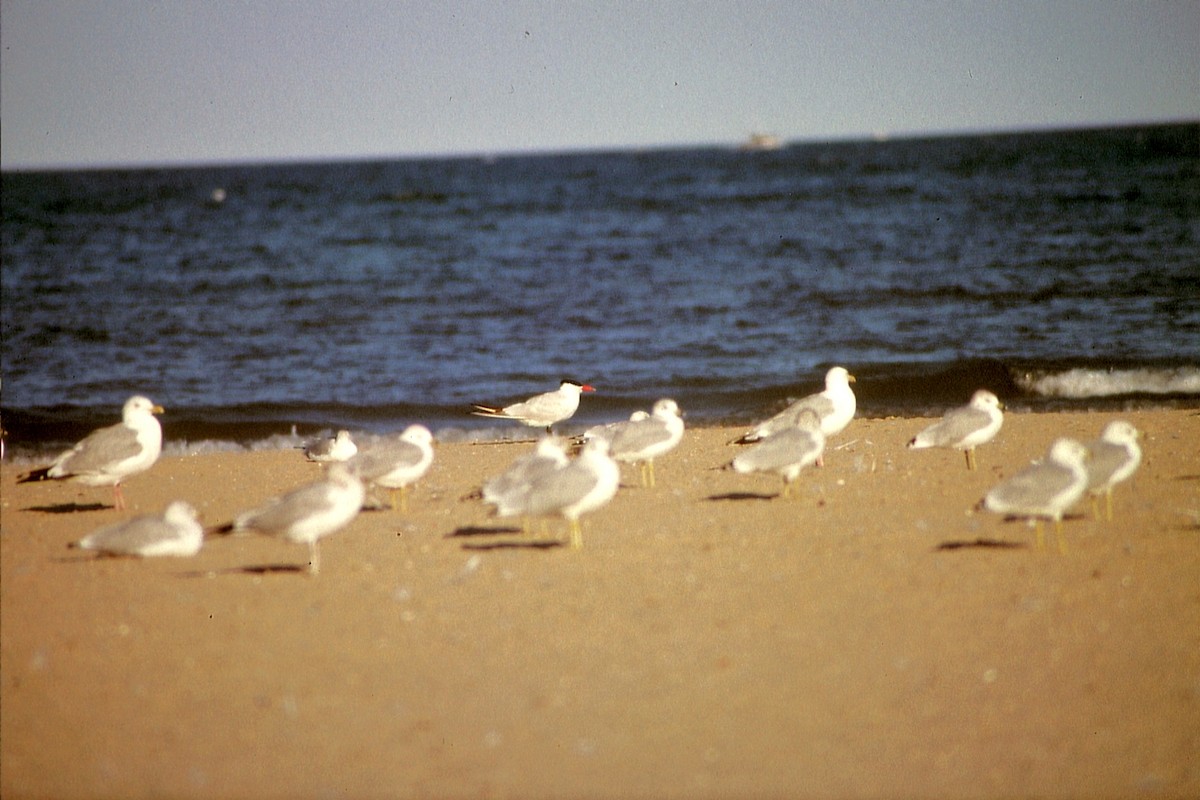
{"points": [[109, 455], [1114, 457], [509, 488], [1044, 489], [608, 430], [338, 448], [175, 532], [584, 484], [307, 514], [834, 407], [397, 463], [964, 428], [642, 441], [543, 410], [787, 452]]}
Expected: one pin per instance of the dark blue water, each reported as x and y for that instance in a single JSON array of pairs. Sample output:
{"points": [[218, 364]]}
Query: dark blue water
{"points": [[1055, 268]]}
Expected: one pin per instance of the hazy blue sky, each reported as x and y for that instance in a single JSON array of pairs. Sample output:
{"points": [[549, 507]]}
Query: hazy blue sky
{"points": [[123, 82]]}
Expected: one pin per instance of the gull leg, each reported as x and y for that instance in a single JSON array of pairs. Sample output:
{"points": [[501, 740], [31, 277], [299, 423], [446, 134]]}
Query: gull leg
{"points": [[650, 470], [1095, 508], [118, 497], [970, 458], [1062, 540], [314, 557], [576, 534]]}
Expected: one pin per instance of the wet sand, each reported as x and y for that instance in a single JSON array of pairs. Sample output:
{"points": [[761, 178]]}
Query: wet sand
{"points": [[873, 636]]}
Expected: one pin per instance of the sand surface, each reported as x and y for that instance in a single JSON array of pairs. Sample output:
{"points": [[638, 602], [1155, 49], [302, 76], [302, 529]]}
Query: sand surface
{"points": [[710, 640]]}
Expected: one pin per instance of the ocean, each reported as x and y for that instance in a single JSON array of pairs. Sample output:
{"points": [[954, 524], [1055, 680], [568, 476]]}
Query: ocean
{"points": [[262, 304]]}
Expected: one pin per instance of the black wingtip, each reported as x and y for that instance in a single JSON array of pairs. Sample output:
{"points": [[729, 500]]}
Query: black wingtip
{"points": [[37, 475]]}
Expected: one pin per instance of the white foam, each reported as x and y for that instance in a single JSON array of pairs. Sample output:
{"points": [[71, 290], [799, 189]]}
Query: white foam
{"points": [[1081, 383]]}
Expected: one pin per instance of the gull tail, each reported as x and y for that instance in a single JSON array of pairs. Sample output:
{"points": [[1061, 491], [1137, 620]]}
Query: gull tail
{"points": [[746, 438], [488, 411]]}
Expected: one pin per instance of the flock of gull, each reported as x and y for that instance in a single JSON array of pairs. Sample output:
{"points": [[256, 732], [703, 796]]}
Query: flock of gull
{"points": [[550, 481]]}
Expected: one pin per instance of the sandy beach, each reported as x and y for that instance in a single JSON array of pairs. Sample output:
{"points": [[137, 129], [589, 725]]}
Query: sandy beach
{"points": [[872, 636]]}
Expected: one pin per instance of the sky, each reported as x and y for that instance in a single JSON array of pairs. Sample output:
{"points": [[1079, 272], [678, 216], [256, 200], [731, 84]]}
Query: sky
{"points": [[87, 83]]}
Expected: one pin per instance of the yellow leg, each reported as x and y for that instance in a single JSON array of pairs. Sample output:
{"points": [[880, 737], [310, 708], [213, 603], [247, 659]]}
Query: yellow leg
{"points": [[314, 557], [576, 535], [1062, 540], [970, 451], [650, 472]]}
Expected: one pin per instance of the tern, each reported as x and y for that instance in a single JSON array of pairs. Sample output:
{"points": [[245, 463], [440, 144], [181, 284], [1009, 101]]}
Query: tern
{"points": [[540, 411]]}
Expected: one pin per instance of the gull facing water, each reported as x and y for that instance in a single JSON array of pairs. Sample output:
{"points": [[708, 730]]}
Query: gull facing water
{"points": [[1045, 489], [834, 408], [964, 428], [109, 455], [175, 532]]}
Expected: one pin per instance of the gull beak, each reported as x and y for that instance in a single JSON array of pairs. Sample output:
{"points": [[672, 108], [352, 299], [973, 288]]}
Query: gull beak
{"points": [[850, 378], [586, 388], [158, 410]]}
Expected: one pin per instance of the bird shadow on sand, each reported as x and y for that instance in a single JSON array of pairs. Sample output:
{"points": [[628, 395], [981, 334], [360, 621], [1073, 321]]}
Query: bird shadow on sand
{"points": [[69, 508], [738, 496], [523, 543], [251, 569], [980, 544]]}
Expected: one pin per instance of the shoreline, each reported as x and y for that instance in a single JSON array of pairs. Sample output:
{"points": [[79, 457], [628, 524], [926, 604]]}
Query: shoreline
{"points": [[875, 635]]}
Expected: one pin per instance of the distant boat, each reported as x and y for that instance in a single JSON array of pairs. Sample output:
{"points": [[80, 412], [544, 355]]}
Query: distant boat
{"points": [[760, 142]]}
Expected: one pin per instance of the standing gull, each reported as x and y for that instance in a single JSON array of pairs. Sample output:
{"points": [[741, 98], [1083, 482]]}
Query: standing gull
{"points": [[642, 441], [964, 428], [175, 532], [396, 464], [834, 408], [540, 411], [1113, 458], [509, 488], [1045, 489], [337, 448], [307, 514], [109, 455], [586, 483], [787, 452]]}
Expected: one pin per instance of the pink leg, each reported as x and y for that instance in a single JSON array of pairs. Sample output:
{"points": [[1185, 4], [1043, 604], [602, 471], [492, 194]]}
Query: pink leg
{"points": [[118, 497]]}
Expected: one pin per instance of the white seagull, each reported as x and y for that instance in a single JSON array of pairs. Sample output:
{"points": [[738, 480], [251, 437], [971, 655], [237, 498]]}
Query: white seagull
{"points": [[964, 428], [307, 514], [337, 448], [397, 463], [787, 452], [1113, 458], [508, 489], [642, 441], [586, 483], [834, 407], [1045, 489], [109, 455], [540, 411], [175, 532]]}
